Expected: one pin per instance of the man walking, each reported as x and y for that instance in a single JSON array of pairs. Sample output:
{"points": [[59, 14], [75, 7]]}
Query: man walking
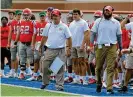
{"points": [[108, 33], [55, 35]]}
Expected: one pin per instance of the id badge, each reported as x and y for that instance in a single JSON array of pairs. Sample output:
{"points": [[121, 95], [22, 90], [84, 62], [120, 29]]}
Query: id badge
{"points": [[107, 44], [99, 46]]}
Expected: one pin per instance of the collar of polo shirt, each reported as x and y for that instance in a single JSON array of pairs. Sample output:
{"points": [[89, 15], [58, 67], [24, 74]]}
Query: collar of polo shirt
{"points": [[58, 24], [109, 19]]}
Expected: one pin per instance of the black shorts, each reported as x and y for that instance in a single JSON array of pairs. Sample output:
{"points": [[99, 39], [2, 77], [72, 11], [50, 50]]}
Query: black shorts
{"points": [[5, 53]]}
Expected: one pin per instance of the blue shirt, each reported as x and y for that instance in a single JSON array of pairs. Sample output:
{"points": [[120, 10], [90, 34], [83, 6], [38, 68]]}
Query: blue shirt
{"points": [[106, 30]]}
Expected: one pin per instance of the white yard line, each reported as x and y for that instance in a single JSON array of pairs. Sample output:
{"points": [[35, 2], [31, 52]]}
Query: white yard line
{"points": [[49, 90]]}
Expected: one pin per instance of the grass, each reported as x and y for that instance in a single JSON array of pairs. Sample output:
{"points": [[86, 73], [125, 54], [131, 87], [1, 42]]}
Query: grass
{"points": [[21, 91]]}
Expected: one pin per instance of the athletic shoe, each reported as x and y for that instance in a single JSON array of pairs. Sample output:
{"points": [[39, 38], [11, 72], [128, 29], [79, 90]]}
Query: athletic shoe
{"points": [[10, 75], [92, 81], [123, 89], [104, 84], [43, 86], [39, 78], [16, 75], [3, 76], [52, 78], [21, 76], [32, 78], [75, 81], [99, 87], [110, 91], [29, 72], [115, 85], [131, 87], [68, 79], [85, 83]]}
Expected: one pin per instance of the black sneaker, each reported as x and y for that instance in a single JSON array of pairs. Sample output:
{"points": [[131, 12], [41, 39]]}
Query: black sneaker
{"points": [[123, 89], [110, 91], [39, 78], [59, 89], [43, 86], [99, 87]]}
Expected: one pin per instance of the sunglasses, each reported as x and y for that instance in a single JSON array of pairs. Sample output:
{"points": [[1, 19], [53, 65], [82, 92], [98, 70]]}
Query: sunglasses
{"points": [[19, 14]]}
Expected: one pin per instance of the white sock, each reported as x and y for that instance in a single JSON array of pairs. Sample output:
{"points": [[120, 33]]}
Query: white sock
{"points": [[84, 78], [28, 68], [89, 76], [69, 74], [41, 74], [77, 77], [94, 77], [13, 70], [104, 76], [120, 77], [35, 74], [81, 77], [115, 81], [22, 71], [2, 72], [123, 76]]}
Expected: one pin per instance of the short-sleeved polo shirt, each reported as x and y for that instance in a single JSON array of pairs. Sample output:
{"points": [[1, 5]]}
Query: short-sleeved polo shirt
{"points": [[106, 30], [57, 35]]}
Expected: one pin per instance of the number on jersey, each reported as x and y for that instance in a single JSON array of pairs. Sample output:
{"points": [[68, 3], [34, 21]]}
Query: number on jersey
{"points": [[39, 31], [24, 29]]}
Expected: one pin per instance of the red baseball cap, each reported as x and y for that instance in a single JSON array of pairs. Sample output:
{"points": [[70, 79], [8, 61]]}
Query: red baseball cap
{"points": [[56, 12], [110, 8]]}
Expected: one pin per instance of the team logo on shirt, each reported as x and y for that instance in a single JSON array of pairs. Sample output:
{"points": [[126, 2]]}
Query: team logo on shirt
{"points": [[60, 29]]}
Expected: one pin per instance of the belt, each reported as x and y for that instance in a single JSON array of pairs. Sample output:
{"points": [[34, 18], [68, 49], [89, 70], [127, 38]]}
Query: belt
{"points": [[107, 44], [56, 48], [26, 43]]}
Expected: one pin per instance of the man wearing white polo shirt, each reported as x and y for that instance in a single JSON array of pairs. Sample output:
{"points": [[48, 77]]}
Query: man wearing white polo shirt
{"points": [[80, 40], [55, 35], [107, 32]]}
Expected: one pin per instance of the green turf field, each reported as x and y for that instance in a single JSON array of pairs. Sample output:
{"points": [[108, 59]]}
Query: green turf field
{"points": [[20, 91]]}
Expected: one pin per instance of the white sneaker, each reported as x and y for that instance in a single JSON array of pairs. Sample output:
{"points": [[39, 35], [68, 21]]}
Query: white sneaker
{"points": [[66, 79], [131, 88], [29, 72], [116, 85], [4, 76], [10, 75], [104, 85], [85, 83], [75, 81], [33, 78], [16, 75]]}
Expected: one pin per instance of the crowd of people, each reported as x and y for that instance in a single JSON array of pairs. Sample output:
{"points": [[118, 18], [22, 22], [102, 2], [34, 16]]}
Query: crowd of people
{"points": [[100, 52]]}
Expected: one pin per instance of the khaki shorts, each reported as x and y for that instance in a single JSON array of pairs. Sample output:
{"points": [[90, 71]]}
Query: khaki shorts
{"points": [[76, 53], [129, 62]]}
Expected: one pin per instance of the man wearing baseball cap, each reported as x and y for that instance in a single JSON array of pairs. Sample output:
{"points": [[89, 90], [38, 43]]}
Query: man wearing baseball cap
{"points": [[49, 10], [55, 35], [107, 32]]}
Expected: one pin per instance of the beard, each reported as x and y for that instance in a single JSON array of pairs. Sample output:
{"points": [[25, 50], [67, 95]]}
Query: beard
{"points": [[107, 16]]}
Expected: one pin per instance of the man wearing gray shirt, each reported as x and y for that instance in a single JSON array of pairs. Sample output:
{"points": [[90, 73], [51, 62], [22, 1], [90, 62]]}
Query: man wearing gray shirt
{"points": [[107, 31]]}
